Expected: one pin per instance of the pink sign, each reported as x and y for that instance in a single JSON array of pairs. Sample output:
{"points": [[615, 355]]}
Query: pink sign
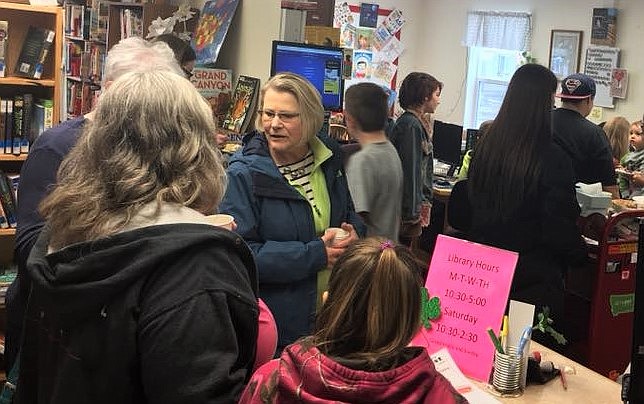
{"points": [[472, 282]]}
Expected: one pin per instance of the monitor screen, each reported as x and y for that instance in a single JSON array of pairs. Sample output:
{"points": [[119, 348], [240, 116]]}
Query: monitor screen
{"points": [[321, 65], [447, 142]]}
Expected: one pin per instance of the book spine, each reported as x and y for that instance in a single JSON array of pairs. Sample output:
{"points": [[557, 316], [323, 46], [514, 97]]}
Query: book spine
{"points": [[27, 119], [6, 197], [8, 134], [4, 30], [4, 223], [39, 120], [3, 122], [18, 109], [49, 114]]}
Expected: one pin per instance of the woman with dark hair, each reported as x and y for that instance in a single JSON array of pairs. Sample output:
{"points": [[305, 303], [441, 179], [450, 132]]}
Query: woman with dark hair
{"points": [[521, 191], [183, 52], [360, 349], [411, 135]]}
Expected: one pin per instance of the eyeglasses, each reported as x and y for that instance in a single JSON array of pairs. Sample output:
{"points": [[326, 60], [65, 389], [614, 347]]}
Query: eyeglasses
{"points": [[285, 117], [187, 72]]}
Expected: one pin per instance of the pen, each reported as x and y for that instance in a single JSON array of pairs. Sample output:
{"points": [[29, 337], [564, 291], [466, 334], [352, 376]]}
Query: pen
{"points": [[562, 376], [504, 333], [525, 337], [495, 340]]}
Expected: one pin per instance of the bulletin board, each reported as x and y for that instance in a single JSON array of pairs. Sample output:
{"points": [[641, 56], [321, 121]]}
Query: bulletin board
{"points": [[370, 36], [600, 62]]}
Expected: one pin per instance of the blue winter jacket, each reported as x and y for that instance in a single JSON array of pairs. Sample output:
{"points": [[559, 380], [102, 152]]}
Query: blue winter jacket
{"points": [[277, 223]]}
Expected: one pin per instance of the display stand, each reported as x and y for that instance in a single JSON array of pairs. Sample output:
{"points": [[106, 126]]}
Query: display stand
{"points": [[600, 296]]}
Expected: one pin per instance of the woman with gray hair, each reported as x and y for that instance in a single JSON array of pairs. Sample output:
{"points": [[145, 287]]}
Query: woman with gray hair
{"points": [[136, 298], [286, 187], [38, 173]]}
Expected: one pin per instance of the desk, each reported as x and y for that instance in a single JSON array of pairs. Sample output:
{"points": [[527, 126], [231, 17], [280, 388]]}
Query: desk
{"points": [[585, 386]]}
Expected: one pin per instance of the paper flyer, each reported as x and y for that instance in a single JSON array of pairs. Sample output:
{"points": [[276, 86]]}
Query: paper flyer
{"points": [[472, 282]]}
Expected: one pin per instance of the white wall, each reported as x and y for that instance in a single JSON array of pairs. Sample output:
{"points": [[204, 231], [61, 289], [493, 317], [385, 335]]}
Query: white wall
{"points": [[439, 50], [432, 38], [247, 49]]}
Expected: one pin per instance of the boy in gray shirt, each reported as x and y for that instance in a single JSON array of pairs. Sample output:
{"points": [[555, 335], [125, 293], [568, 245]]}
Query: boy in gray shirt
{"points": [[374, 173]]}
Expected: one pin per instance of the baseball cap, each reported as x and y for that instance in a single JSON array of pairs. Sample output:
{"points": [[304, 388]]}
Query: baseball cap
{"points": [[577, 87]]}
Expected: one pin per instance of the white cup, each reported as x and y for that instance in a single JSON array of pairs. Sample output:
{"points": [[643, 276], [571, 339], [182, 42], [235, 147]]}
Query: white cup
{"points": [[339, 234], [221, 220]]}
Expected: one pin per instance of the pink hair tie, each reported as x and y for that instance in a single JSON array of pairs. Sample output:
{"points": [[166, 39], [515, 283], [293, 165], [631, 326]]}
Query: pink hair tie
{"points": [[386, 244]]}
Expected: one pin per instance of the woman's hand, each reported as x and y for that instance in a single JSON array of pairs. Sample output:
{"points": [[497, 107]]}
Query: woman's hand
{"points": [[335, 248]]}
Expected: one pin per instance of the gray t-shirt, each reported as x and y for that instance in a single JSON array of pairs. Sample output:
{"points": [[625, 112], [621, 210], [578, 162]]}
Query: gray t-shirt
{"points": [[375, 181]]}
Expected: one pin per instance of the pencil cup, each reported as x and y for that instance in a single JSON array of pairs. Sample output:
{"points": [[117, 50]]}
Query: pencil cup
{"points": [[508, 371]]}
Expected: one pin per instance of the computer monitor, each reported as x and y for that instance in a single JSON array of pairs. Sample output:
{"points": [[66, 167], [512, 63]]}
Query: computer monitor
{"points": [[471, 138], [447, 142], [321, 65]]}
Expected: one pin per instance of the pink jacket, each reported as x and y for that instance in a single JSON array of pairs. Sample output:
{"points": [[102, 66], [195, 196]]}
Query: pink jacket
{"points": [[307, 376]]}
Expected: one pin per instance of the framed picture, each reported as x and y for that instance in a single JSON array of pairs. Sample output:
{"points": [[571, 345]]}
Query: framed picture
{"points": [[565, 51]]}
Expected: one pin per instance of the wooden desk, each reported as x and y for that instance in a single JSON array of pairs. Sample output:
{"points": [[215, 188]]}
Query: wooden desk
{"points": [[585, 386]]}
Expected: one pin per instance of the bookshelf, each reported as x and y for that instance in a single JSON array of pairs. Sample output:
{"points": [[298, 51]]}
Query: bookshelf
{"points": [[92, 27], [20, 17]]}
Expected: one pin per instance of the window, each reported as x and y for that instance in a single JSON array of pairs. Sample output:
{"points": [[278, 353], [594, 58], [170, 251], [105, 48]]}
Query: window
{"points": [[488, 74], [495, 40]]}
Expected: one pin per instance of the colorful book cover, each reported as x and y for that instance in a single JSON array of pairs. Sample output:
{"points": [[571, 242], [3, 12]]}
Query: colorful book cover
{"points": [[4, 29], [240, 113], [7, 200], [211, 30], [368, 15], [216, 87], [604, 30], [364, 38], [362, 61]]}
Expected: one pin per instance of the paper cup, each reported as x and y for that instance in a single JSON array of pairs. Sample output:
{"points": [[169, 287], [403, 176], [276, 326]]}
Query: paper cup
{"points": [[339, 234], [221, 220]]}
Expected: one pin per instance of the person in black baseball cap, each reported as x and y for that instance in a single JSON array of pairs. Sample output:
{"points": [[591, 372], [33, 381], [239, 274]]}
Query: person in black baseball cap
{"points": [[585, 142], [577, 86]]}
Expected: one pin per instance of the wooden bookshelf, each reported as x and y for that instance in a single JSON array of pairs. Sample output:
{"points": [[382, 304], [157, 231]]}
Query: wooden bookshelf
{"points": [[20, 17]]}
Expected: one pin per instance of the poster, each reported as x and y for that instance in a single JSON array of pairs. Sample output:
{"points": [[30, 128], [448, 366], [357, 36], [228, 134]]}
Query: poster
{"points": [[212, 28], [472, 282], [373, 68], [619, 83], [604, 29], [362, 61], [368, 15], [599, 64]]}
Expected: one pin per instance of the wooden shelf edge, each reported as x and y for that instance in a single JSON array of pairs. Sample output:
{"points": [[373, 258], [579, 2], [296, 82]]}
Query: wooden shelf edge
{"points": [[7, 232], [30, 8], [23, 81], [11, 157]]}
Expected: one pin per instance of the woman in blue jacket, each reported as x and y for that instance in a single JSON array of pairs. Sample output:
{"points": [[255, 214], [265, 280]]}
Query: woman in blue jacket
{"points": [[286, 187]]}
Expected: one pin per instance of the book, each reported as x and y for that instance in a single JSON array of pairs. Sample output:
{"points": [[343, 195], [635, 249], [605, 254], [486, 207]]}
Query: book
{"points": [[211, 30], [28, 135], [8, 128], [7, 199], [216, 87], [243, 102], [49, 114], [34, 52], [14, 181], [604, 30], [18, 107], [3, 121], [4, 30]]}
